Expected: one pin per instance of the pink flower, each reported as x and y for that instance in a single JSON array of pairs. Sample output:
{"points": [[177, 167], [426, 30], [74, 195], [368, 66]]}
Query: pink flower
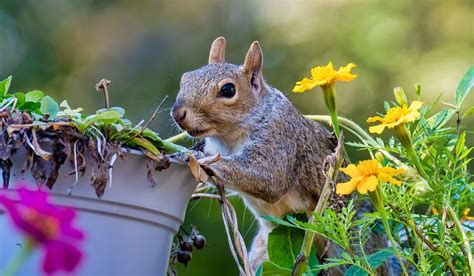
{"points": [[46, 226]]}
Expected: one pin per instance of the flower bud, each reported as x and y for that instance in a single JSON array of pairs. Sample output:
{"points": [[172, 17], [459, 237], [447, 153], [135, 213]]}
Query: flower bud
{"points": [[421, 188], [417, 89], [410, 172], [404, 136], [400, 96], [379, 157]]}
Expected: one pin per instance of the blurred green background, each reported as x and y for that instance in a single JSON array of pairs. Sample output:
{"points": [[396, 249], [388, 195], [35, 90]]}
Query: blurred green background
{"points": [[65, 47]]}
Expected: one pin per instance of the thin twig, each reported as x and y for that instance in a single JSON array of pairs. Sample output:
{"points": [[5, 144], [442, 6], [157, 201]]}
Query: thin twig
{"points": [[149, 120], [102, 85]]}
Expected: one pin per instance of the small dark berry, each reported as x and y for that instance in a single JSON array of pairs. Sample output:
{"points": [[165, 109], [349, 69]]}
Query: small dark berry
{"points": [[184, 257], [199, 241], [187, 245]]}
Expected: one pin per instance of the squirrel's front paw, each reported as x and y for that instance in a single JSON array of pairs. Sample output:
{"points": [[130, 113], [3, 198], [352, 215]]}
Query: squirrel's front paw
{"points": [[201, 168]]}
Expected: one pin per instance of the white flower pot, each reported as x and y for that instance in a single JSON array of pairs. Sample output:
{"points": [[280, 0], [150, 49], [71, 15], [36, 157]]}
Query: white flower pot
{"points": [[129, 230]]}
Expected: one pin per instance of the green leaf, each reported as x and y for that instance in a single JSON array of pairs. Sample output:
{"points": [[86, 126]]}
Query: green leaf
{"points": [[20, 99], [284, 244], [49, 106], [440, 119], [269, 268], [468, 112], [355, 271], [34, 96], [278, 221], [68, 112], [5, 85], [107, 117], [31, 107], [378, 258], [332, 262], [143, 143], [119, 110], [460, 143], [464, 86], [64, 104], [163, 144], [375, 260], [148, 133]]}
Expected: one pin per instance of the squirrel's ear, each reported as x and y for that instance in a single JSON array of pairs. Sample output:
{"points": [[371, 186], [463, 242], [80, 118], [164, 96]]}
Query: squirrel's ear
{"points": [[254, 59], [217, 53]]}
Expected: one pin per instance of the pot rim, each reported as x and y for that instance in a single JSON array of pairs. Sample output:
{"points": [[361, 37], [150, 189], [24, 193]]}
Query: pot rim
{"points": [[138, 152]]}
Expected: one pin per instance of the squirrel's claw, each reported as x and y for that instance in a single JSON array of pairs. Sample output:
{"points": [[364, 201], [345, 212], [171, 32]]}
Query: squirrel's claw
{"points": [[199, 166]]}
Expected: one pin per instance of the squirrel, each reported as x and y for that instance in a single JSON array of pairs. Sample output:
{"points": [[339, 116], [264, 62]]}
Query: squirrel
{"points": [[270, 153]]}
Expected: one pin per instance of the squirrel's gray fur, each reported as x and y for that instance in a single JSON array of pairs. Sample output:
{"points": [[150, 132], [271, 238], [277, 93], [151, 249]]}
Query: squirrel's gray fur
{"points": [[270, 153]]}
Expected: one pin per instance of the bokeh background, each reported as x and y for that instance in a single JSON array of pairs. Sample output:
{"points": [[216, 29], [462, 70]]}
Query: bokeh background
{"points": [[65, 47]]}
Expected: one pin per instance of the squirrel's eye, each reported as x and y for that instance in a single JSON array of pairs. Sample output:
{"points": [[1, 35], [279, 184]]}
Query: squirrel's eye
{"points": [[227, 90]]}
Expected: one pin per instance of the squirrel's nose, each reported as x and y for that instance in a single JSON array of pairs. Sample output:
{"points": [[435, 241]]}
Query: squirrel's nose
{"points": [[179, 113]]}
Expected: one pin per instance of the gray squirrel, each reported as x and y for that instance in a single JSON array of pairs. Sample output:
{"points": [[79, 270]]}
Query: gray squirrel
{"points": [[270, 153]]}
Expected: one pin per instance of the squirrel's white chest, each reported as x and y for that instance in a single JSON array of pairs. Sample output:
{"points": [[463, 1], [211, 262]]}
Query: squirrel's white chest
{"points": [[214, 145]]}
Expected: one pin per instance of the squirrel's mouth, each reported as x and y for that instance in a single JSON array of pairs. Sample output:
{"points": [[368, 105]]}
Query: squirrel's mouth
{"points": [[197, 132]]}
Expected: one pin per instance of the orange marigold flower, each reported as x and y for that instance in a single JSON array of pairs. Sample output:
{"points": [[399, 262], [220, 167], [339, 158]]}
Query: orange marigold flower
{"points": [[325, 75], [366, 176], [396, 116]]}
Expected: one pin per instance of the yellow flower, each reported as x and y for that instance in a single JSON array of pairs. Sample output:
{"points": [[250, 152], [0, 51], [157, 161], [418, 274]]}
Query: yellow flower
{"points": [[366, 176], [465, 215], [396, 116], [324, 75]]}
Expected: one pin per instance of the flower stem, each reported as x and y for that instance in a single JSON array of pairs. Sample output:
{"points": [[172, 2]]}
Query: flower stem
{"points": [[355, 127], [405, 139], [171, 147], [330, 100], [465, 240], [177, 138], [14, 265], [377, 199]]}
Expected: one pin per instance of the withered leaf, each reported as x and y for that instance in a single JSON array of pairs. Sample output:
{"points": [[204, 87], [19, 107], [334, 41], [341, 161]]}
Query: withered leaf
{"points": [[199, 167], [38, 170], [59, 157], [37, 148], [162, 161], [99, 180], [149, 172], [199, 174]]}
